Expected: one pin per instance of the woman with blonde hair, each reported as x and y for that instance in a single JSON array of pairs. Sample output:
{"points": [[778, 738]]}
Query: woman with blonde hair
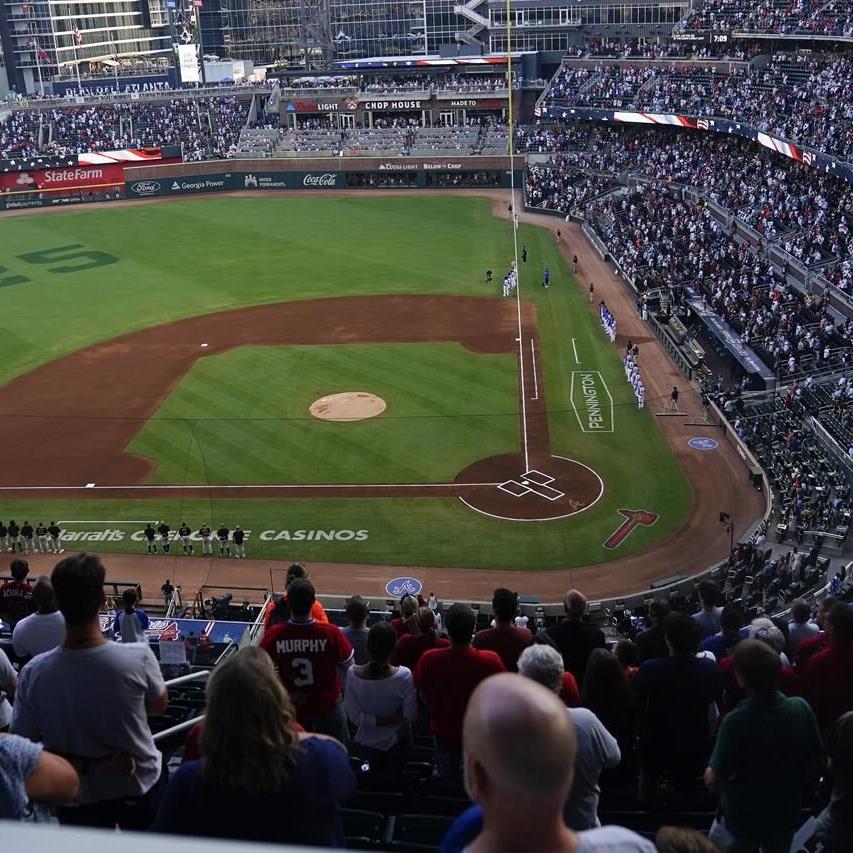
{"points": [[258, 779]]}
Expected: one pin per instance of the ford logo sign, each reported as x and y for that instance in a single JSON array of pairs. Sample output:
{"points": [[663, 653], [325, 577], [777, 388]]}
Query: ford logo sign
{"points": [[145, 187], [399, 587]]}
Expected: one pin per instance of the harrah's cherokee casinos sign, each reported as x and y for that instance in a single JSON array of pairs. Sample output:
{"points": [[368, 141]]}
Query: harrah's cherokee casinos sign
{"points": [[63, 177]]}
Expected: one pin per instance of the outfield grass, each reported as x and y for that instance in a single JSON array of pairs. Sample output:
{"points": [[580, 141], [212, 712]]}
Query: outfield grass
{"points": [[224, 424], [193, 257]]}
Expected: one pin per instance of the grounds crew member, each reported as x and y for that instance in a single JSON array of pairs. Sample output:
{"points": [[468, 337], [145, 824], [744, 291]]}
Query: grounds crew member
{"points": [[239, 536], [150, 533], [222, 536], [41, 537], [184, 532], [206, 539], [163, 529], [27, 535], [14, 536], [55, 534]]}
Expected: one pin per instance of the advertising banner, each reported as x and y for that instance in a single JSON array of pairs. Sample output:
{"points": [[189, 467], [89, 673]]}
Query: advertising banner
{"points": [[63, 178], [224, 181], [188, 61], [11, 202], [106, 85]]}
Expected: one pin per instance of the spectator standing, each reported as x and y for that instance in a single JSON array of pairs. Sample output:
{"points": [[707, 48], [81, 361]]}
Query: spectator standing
{"points": [[258, 779], [628, 656], [800, 627], [835, 824], [504, 639], [597, 750], [675, 694], [32, 779], [311, 659], [278, 610], [131, 622], [63, 694], [382, 703], [768, 750], [43, 630], [731, 633], [607, 693], [168, 590], [16, 595], [356, 632], [651, 642], [828, 678], [520, 752], [411, 647], [8, 686], [406, 622], [446, 678], [574, 638], [708, 617], [818, 642]]}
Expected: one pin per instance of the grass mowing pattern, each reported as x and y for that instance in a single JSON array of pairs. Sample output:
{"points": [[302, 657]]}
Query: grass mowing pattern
{"points": [[194, 257], [225, 424]]}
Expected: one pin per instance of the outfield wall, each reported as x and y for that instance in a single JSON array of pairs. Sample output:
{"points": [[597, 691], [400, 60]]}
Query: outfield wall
{"points": [[337, 173]]}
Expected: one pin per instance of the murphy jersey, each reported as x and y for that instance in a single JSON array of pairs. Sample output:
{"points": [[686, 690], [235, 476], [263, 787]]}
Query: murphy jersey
{"points": [[307, 656]]}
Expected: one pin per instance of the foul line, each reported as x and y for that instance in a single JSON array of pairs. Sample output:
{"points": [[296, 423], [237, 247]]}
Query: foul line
{"points": [[575, 348], [138, 487], [535, 378]]}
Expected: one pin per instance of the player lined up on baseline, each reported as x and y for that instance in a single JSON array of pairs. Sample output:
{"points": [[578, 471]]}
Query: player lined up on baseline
{"points": [[224, 537], [31, 540], [632, 373], [608, 321]]}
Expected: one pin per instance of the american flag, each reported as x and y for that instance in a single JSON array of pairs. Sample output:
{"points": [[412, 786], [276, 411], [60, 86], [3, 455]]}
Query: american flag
{"points": [[75, 31]]}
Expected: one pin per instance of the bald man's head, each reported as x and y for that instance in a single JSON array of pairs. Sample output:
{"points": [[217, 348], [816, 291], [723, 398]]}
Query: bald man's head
{"points": [[519, 742], [574, 604]]}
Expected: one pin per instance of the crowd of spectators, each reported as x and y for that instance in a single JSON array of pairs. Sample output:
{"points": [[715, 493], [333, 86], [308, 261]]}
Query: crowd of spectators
{"points": [[809, 214], [807, 17], [549, 727], [205, 128], [663, 242], [803, 97]]}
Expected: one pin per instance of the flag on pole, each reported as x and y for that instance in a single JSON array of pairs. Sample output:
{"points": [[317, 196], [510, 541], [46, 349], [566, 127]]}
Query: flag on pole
{"points": [[78, 37]]}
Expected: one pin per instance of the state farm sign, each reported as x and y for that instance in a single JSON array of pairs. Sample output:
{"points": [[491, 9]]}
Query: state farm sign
{"points": [[70, 177]]}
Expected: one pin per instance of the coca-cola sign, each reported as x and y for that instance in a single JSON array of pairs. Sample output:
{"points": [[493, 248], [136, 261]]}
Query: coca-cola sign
{"points": [[327, 179]]}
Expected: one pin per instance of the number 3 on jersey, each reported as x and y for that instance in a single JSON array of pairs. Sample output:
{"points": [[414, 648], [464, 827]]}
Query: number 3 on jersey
{"points": [[305, 676]]}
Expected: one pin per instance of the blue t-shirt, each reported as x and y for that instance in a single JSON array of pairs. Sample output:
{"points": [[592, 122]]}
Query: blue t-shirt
{"points": [[304, 810], [722, 646], [604, 839]]}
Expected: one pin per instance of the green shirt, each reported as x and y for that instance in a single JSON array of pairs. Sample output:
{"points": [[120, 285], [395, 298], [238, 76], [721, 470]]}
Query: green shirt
{"points": [[766, 749]]}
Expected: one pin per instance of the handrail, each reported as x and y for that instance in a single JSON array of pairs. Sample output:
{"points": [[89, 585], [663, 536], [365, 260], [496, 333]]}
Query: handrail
{"points": [[178, 728], [193, 676]]}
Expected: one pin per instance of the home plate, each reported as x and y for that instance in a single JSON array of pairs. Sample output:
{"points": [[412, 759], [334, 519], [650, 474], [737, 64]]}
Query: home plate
{"points": [[90, 485]]}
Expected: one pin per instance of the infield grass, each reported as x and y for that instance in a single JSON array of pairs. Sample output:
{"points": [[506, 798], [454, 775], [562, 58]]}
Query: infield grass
{"points": [[243, 412]]}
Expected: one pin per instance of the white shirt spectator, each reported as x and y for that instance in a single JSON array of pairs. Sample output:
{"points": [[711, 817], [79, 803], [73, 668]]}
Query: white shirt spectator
{"points": [[799, 631], [597, 751], [37, 633], [91, 703], [365, 699]]}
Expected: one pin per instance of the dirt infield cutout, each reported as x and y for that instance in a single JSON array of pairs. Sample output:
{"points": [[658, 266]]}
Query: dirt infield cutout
{"points": [[348, 406]]}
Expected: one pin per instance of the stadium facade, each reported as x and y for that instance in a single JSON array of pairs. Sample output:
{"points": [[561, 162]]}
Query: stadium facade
{"points": [[42, 39]]}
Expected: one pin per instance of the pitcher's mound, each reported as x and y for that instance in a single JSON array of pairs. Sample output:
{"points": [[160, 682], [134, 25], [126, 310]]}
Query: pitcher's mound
{"points": [[348, 406]]}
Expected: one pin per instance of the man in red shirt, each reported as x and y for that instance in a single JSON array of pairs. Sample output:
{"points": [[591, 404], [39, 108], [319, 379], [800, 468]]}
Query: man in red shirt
{"points": [[504, 639], [446, 678], [311, 659], [16, 595], [829, 673]]}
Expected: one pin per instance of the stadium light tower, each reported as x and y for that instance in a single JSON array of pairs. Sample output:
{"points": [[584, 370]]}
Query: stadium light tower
{"points": [[316, 21]]}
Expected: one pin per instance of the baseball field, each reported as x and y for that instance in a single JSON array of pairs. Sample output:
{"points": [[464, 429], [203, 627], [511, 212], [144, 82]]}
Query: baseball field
{"points": [[174, 361]]}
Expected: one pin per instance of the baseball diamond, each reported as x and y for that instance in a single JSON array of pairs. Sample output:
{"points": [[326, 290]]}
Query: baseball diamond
{"points": [[203, 411]]}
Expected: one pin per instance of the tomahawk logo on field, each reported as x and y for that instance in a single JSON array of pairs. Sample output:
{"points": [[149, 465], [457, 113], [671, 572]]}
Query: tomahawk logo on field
{"points": [[634, 518]]}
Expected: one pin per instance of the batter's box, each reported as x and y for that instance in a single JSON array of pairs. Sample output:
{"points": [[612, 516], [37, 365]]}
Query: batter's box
{"points": [[533, 483], [517, 490]]}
